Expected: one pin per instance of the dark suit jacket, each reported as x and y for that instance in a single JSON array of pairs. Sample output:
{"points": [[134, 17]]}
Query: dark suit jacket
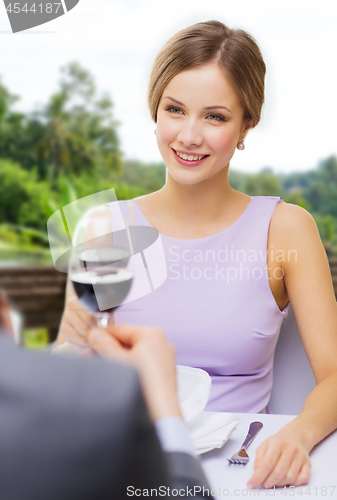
{"points": [[79, 429]]}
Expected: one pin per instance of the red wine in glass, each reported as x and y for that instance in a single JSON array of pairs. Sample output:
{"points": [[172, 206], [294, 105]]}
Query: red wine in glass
{"points": [[102, 290]]}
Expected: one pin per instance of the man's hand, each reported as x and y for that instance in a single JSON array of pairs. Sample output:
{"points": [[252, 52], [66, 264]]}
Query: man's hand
{"points": [[5, 319], [147, 349]]}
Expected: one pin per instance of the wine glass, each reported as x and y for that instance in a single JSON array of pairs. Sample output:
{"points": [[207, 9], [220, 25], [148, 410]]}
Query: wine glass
{"points": [[98, 267]]}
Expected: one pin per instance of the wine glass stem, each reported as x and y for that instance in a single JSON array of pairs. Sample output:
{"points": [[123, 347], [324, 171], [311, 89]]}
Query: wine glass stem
{"points": [[102, 319]]}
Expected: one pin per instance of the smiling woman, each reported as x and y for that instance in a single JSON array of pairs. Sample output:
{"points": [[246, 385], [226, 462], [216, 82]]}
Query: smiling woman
{"points": [[196, 130], [224, 314]]}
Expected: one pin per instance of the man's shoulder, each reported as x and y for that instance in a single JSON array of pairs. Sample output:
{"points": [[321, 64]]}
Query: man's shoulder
{"points": [[63, 381]]}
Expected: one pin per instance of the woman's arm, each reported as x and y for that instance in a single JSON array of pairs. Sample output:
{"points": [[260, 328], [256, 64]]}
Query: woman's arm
{"points": [[283, 459]]}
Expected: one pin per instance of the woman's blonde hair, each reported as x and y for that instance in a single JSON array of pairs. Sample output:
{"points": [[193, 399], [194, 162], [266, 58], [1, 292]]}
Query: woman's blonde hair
{"points": [[235, 51]]}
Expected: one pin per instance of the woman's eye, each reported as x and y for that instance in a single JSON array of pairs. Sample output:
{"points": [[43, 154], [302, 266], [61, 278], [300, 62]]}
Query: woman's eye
{"points": [[217, 118], [174, 110]]}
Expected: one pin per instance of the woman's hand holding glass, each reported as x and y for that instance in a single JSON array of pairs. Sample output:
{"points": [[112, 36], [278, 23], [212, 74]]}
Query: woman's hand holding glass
{"points": [[76, 321]]}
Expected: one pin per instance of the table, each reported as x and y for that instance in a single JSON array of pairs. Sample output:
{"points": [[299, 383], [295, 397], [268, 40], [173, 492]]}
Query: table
{"points": [[231, 480]]}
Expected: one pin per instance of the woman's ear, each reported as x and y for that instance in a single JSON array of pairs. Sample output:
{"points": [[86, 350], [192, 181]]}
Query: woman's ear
{"points": [[247, 125]]}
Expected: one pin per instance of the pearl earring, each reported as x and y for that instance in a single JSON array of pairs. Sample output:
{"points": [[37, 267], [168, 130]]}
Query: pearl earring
{"points": [[241, 145]]}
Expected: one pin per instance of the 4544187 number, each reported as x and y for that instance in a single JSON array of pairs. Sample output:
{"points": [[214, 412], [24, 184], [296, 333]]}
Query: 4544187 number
{"points": [[49, 7]]}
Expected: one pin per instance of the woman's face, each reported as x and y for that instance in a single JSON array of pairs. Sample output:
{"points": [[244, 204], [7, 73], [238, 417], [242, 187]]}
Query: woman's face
{"points": [[199, 123]]}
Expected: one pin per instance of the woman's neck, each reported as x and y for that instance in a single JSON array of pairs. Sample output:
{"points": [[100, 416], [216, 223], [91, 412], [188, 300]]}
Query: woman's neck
{"points": [[197, 204], [194, 211]]}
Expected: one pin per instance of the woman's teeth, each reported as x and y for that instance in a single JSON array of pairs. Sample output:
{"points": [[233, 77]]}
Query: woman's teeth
{"points": [[189, 157]]}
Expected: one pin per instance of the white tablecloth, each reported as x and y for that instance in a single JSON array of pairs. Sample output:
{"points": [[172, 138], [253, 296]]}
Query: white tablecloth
{"points": [[231, 480]]}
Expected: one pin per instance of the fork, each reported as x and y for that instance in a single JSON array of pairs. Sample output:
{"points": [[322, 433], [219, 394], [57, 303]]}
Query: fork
{"points": [[241, 457]]}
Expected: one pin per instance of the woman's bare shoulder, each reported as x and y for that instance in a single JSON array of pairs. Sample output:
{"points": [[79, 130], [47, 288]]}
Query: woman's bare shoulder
{"points": [[291, 220]]}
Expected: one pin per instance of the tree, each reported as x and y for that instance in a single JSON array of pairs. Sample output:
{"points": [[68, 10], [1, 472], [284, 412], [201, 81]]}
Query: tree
{"points": [[73, 133], [79, 131], [296, 197], [149, 177], [322, 188], [22, 197], [11, 123], [327, 229], [264, 183]]}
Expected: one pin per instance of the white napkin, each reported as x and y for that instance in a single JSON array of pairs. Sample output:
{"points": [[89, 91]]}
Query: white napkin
{"points": [[208, 430], [211, 430], [194, 386]]}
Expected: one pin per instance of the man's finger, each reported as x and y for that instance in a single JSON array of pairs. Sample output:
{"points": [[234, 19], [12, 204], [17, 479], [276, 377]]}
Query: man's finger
{"points": [[106, 345], [130, 334]]}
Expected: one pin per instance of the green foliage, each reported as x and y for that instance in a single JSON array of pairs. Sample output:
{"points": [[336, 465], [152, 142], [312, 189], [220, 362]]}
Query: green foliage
{"points": [[327, 227], [148, 177], [323, 191], [22, 196], [318, 187], [23, 235], [237, 179], [264, 183], [62, 194], [296, 197], [135, 179], [80, 133], [8, 237], [10, 123], [36, 338], [73, 132]]}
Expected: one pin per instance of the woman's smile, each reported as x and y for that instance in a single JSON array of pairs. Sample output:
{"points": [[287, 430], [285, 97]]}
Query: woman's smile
{"points": [[189, 159]]}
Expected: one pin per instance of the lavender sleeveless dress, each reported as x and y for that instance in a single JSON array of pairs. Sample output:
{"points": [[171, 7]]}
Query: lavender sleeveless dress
{"points": [[216, 306]]}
